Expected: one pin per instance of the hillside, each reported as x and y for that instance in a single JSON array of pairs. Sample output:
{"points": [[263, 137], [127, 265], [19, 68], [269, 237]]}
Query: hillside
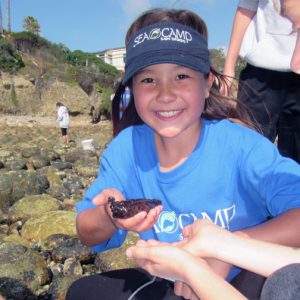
{"points": [[35, 74]]}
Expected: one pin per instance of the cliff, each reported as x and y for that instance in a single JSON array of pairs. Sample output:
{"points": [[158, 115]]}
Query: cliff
{"points": [[22, 95]]}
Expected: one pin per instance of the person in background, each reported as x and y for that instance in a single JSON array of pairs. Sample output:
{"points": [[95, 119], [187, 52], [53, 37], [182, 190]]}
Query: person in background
{"points": [[266, 41], [125, 98], [176, 142], [184, 262], [291, 10], [63, 119]]}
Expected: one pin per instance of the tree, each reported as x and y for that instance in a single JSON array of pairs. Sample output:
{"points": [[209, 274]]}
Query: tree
{"points": [[217, 57], [31, 24], [1, 26], [8, 15]]}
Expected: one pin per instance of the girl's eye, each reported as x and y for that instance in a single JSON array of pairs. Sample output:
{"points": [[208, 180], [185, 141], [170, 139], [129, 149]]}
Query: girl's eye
{"points": [[182, 76], [147, 80]]}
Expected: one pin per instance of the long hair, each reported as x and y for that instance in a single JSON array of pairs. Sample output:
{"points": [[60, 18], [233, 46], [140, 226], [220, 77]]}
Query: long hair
{"points": [[217, 106]]}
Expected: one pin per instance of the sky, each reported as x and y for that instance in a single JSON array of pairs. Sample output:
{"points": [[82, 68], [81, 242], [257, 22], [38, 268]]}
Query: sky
{"points": [[96, 25]]}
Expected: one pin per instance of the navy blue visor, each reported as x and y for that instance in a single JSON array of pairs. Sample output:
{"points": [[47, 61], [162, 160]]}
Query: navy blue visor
{"points": [[172, 43]]}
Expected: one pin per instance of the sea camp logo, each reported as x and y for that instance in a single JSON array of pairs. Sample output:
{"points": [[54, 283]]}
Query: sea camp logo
{"points": [[164, 34], [171, 223], [155, 34], [168, 222]]}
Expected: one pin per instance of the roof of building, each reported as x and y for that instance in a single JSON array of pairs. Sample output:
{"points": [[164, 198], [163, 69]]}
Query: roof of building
{"points": [[106, 50]]}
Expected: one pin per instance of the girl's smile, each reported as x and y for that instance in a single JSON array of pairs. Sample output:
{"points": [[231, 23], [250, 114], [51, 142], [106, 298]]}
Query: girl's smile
{"points": [[167, 115]]}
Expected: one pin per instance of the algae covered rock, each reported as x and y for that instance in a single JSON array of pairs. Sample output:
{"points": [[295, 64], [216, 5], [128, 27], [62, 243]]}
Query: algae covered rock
{"points": [[54, 222], [18, 184], [22, 264], [34, 205], [115, 259]]}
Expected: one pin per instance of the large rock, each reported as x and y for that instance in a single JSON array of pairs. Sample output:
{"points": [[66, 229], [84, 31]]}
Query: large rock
{"points": [[15, 185], [60, 286], [6, 187], [23, 264], [115, 259], [14, 289], [23, 209], [72, 248], [40, 95], [73, 97], [54, 222]]}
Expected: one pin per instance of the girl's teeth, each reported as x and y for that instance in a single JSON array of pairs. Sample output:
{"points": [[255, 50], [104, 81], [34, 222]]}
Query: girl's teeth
{"points": [[168, 113]]}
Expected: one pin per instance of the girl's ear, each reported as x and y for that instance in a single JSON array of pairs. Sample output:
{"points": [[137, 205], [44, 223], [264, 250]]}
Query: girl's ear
{"points": [[209, 82]]}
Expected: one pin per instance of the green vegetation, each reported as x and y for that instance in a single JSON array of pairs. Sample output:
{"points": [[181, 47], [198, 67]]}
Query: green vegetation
{"points": [[29, 54], [13, 96], [218, 58], [10, 60], [90, 61], [106, 93], [31, 24]]}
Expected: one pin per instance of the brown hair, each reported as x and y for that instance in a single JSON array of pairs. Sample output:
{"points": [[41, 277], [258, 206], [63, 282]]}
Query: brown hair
{"points": [[217, 106], [58, 104]]}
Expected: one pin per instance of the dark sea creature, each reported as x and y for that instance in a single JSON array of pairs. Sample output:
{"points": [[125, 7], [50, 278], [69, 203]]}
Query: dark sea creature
{"points": [[128, 208]]}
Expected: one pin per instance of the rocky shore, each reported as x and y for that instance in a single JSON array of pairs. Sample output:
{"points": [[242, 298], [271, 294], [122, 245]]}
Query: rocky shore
{"points": [[41, 179]]}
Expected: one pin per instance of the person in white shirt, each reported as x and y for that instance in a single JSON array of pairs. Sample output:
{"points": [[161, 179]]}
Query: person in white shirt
{"points": [[63, 119], [269, 84]]}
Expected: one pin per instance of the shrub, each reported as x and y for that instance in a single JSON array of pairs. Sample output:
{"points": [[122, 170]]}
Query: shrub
{"points": [[10, 60]]}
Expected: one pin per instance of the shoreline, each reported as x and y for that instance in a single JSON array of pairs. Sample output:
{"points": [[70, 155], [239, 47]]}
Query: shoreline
{"points": [[42, 121]]}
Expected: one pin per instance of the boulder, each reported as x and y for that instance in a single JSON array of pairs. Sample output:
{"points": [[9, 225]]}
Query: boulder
{"points": [[72, 248], [15, 185], [23, 264], [23, 209], [54, 222], [115, 259]]}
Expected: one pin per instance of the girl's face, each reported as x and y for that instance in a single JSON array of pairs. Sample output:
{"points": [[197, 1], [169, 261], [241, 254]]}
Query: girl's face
{"points": [[170, 98]]}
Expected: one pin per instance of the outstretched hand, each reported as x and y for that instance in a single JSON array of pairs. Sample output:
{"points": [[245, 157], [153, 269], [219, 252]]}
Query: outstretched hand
{"points": [[142, 221], [162, 259], [202, 239]]}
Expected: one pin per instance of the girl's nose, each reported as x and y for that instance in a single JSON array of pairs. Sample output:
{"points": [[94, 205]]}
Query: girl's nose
{"points": [[166, 93]]}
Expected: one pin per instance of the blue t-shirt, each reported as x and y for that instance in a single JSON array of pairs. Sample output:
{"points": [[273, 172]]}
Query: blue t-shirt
{"points": [[234, 177]]}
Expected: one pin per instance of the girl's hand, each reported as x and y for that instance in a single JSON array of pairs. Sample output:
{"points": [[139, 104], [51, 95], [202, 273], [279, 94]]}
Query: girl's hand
{"points": [[202, 238], [184, 290], [142, 221], [161, 259], [168, 261]]}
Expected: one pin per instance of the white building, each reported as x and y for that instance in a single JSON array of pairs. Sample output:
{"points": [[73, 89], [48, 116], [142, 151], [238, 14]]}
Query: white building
{"points": [[115, 57]]}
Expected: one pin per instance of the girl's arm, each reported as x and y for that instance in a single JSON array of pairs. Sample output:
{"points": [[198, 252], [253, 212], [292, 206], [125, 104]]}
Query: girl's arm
{"points": [[282, 229], [94, 227]]}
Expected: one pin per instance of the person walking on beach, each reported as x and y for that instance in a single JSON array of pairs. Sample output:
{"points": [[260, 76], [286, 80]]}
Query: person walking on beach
{"points": [[63, 119]]}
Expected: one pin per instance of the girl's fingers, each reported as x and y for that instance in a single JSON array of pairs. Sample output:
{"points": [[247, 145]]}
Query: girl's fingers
{"points": [[186, 231], [102, 198], [143, 221], [137, 252]]}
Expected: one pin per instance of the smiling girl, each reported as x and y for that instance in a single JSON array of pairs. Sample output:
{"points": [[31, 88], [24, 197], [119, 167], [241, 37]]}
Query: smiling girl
{"points": [[175, 142]]}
